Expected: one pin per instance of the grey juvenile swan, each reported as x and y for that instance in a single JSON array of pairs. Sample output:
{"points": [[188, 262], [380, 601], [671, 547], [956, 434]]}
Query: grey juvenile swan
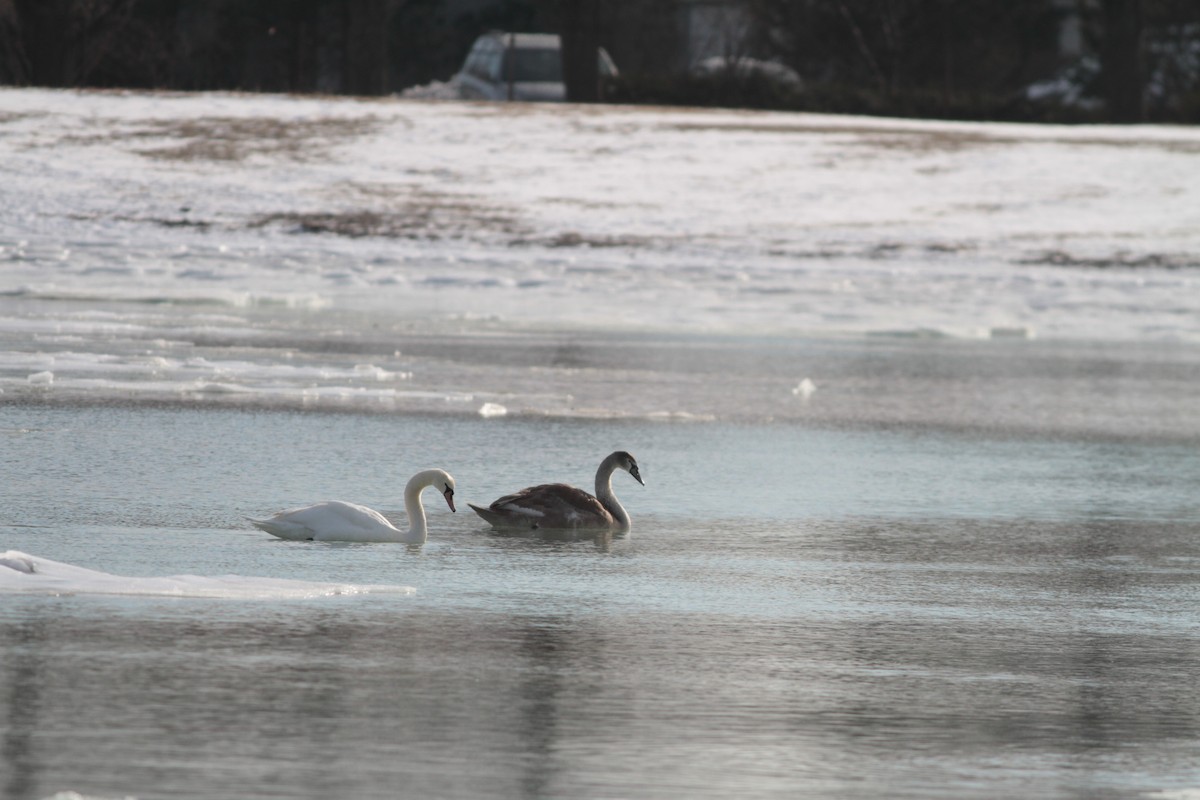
{"points": [[335, 521], [557, 505]]}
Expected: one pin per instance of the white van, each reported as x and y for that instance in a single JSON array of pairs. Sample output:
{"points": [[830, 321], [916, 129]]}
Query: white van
{"points": [[519, 66]]}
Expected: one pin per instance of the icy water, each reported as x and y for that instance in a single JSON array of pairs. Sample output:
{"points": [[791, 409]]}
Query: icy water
{"points": [[824, 612], [915, 403]]}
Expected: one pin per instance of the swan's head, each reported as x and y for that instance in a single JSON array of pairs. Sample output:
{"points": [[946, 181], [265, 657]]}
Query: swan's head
{"points": [[446, 485], [628, 463], [438, 478]]}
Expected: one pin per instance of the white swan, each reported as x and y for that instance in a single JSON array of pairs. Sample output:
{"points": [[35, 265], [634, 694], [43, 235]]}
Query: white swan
{"points": [[336, 521], [557, 505]]}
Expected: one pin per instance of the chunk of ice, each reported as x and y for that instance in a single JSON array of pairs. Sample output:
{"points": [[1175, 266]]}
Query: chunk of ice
{"points": [[492, 410], [804, 389]]}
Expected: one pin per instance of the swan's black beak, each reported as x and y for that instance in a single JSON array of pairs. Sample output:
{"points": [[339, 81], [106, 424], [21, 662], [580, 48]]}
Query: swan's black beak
{"points": [[637, 476], [449, 495]]}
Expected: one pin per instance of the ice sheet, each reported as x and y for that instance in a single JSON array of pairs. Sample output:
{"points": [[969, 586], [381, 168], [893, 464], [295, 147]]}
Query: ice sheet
{"points": [[22, 573]]}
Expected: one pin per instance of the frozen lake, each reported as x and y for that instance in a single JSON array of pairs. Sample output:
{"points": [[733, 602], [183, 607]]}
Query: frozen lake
{"points": [[915, 404]]}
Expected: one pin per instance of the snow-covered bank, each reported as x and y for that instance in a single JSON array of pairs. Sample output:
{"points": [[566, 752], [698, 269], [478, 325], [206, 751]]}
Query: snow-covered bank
{"points": [[650, 218], [452, 257]]}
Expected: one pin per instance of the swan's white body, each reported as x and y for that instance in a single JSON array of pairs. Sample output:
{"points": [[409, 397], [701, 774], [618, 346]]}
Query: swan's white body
{"points": [[336, 521], [559, 506]]}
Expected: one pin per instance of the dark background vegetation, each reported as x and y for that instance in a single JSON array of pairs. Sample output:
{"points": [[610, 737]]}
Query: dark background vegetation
{"points": [[1134, 60]]}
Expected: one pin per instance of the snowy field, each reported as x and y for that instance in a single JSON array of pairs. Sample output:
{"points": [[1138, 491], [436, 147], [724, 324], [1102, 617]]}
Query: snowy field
{"points": [[615, 217], [405, 255]]}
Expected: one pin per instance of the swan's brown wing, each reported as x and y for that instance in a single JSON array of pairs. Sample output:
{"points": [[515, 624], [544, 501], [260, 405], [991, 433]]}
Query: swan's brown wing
{"points": [[551, 505]]}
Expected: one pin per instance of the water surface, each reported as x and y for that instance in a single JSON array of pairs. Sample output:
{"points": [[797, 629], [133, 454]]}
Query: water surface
{"points": [[840, 613]]}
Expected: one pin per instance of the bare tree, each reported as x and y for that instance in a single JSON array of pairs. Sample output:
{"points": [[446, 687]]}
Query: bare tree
{"points": [[58, 42], [864, 48], [580, 32], [14, 60], [910, 55], [1121, 60], [367, 24], [1148, 57]]}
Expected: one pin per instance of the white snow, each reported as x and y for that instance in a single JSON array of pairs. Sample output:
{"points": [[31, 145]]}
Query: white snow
{"points": [[154, 239], [22, 573]]}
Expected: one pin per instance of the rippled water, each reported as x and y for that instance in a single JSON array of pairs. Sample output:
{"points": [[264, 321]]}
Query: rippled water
{"points": [[829, 612]]}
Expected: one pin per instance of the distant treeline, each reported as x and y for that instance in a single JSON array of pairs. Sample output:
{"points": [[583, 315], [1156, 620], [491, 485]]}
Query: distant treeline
{"points": [[1067, 60]]}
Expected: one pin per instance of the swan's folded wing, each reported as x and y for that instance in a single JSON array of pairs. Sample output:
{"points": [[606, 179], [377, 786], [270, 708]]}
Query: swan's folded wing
{"points": [[355, 517], [334, 517], [553, 505], [280, 527]]}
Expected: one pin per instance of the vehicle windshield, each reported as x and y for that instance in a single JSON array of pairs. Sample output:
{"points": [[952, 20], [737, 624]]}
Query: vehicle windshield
{"points": [[542, 65]]}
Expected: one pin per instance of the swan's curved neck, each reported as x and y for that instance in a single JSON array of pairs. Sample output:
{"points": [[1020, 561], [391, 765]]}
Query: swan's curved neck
{"points": [[604, 492], [418, 529]]}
